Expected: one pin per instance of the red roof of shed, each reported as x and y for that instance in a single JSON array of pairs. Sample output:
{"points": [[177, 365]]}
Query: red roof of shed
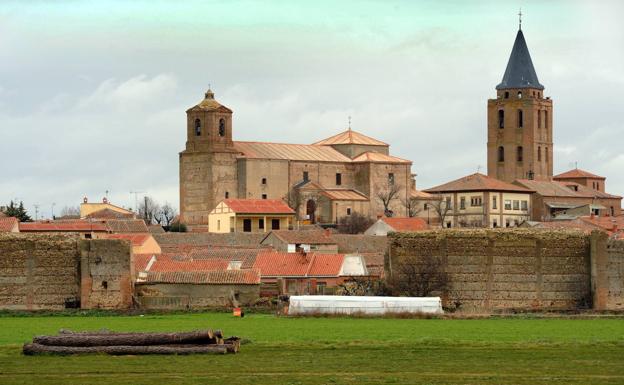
{"points": [[258, 206]]}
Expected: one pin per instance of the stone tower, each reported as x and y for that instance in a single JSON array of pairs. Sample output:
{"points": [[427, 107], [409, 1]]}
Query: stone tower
{"points": [[520, 122], [208, 164]]}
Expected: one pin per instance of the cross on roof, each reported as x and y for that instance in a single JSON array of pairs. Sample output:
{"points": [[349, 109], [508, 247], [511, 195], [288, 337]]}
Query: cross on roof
{"points": [[520, 19]]}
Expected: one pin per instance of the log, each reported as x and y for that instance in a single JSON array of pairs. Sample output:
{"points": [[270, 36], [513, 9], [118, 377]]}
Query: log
{"points": [[232, 344], [131, 339], [35, 349]]}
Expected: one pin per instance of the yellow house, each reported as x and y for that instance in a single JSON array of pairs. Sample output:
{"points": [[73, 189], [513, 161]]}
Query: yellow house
{"points": [[250, 216], [107, 209]]}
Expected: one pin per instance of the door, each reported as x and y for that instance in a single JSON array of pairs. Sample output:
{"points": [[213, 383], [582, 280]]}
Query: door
{"points": [[310, 209], [247, 225]]}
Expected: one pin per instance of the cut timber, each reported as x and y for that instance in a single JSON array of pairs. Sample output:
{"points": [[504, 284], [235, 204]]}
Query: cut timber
{"points": [[233, 344], [34, 349], [131, 339]]}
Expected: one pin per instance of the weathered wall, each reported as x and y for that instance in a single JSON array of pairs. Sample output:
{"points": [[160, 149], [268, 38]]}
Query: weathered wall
{"points": [[615, 275], [52, 271], [505, 269], [193, 296]]}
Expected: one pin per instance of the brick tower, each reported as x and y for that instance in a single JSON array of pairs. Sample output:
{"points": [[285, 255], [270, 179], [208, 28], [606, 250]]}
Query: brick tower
{"points": [[208, 164], [520, 122]]}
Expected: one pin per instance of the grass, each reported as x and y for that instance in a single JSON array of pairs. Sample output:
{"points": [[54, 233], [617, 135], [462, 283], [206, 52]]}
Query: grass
{"points": [[335, 351]]}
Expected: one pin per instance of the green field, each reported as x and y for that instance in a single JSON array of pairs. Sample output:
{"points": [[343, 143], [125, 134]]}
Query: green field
{"points": [[335, 351]]}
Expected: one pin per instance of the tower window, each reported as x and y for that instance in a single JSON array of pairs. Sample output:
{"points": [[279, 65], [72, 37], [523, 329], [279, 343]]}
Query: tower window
{"points": [[539, 153], [519, 94], [338, 179], [539, 118], [305, 176], [221, 127], [501, 154], [227, 195], [264, 196], [546, 119], [391, 179], [501, 118], [197, 127], [546, 154], [520, 119], [506, 94], [519, 154], [264, 181]]}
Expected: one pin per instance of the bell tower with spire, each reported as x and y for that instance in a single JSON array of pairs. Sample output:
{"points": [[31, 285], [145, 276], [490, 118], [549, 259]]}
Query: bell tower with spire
{"points": [[520, 141]]}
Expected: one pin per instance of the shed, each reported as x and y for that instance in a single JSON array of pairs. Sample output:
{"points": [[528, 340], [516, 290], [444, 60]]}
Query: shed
{"points": [[335, 304]]}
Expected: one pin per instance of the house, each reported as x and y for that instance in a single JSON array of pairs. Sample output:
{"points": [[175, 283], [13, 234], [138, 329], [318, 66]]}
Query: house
{"points": [[582, 177], [422, 204], [478, 200], [9, 224], [103, 210], [308, 273], [550, 198], [384, 225], [141, 243], [291, 241], [250, 215]]}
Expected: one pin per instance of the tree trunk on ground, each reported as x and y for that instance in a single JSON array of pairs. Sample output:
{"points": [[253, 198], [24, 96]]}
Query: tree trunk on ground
{"points": [[34, 349], [132, 339]]}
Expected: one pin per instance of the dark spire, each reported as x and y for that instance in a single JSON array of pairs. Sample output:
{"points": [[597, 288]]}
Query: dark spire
{"points": [[520, 72]]}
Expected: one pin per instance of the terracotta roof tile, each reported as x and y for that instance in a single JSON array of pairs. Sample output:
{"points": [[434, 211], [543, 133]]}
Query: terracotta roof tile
{"points": [[350, 137], [360, 243], [134, 238], [419, 194], [576, 174], [246, 255], [562, 189], [108, 213], [258, 206], [377, 157], [281, 264], [64, 226], [477, 182], [8, 224], [326, 265], [194, 240], [406, 224], [165, 263], [127, 226], [344, 195], [307, 152], [141, 261], [311, 237], [605, 223], [217, 277]]}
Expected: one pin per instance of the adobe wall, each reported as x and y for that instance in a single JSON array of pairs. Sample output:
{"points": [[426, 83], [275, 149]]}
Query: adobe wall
{"points": [[611, 293], [496, 269], [192, 296]]}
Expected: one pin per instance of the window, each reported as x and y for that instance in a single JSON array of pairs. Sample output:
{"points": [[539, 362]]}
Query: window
{"points": [[506, 94], [476, 201], [305, 176], [546, 119], [507, 204], [494, 204], [104, 285], [263, 180], [348, 210], [264, 196], [448, 202], [197, 127], [612, 211], [524, 205], [501, 154], [519, 94], [320, 288], [218, 224], [425, 207], [516, 205], [494, 223], [539, 118], [546, 154], [338, 179], [275, 224], [448, 225], [519, 154], [520, 119], [221, 127], [462, 203], [391, 179], [501, 118], [539, 153], [227, 195], [506, 222], [247, 225], [261, 224]]}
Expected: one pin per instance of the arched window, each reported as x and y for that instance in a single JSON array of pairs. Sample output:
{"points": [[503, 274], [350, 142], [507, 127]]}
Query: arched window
{"points": [[221, 127], [197, 127], [501, 154], [519, 94], [545, 118], [519, 154], [501, 118], [506, 94], [539, 153], [520, 119], [539, 118], [546, 154]]}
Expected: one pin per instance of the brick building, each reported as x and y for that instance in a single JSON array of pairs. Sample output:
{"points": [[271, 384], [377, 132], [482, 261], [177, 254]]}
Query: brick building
{"points": [[323, 181]]}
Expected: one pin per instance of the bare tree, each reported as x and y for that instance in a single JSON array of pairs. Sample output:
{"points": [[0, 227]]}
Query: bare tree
{"points": [[365, 285], [293, 199], [419, 276], [148, 210], [412, 206], [441, 207], [70, 211], [387, 195], [166, 214], [355, 223]]}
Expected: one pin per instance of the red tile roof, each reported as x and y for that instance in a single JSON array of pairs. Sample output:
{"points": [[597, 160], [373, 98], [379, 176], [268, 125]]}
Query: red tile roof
{"points": [[108, 213], [141, 261], [406, 224], [576, 174], [280, 264], [246, 255], [258, 206], [134, 238], [7, 224], [165, 263], [305, 152], [419, 194], [127, 226], [377, 157], [350, 137], [344, 195], [217, 277], [64, 226], [310, 237], [562, 189], [477, 182], [605, 223]]}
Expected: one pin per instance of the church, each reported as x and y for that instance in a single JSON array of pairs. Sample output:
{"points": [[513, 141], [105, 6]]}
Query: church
{"points": [[323, 182]]}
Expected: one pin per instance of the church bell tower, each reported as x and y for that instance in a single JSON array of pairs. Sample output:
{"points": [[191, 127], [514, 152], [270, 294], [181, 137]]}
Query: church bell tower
{"points": [[520, 141]]}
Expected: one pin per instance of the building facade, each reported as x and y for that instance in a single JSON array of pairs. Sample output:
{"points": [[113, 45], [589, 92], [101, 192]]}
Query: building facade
{"points": [[322, 182]]}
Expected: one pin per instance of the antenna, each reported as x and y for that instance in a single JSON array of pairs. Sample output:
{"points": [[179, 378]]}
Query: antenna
{"points": [[36, 210], [136, 199], [349, 122], [520, 19]]}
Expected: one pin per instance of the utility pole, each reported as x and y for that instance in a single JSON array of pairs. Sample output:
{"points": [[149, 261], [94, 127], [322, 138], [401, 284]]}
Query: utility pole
{"points": [[136, 199], [53, 204], [36, 210]]}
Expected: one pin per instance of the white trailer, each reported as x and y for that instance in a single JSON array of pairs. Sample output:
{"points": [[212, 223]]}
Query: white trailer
{"points": [[337, 304]]}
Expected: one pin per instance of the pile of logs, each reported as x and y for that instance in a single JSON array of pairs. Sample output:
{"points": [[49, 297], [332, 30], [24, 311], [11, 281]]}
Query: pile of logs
{"points": [[67, 342]]}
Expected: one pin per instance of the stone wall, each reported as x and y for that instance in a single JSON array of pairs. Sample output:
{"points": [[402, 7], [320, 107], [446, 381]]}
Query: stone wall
{"points": [[194, 296], [615, 275], [54, 271], [504, 268]]}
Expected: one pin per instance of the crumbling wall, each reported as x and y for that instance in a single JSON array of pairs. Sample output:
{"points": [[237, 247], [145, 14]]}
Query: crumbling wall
{"points": [[38, 272], [194, 296], [615, 275], [505, 268]]}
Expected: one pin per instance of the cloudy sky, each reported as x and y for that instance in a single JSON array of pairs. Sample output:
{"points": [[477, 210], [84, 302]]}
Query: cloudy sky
{"points": [[93, 93]]}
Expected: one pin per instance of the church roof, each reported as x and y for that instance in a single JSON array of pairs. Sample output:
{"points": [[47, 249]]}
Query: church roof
{"points": [[520, 72], [577, 173], [209, 104], [350, 137], [477, 182], [377, 157], [306, 152]]}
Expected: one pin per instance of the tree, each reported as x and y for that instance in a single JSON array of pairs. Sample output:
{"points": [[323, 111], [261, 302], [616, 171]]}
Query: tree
{"points": [[363, 286], [70, 211], [355, 223], [166, 214], [293, 199], [177, 227], [148, 210], [387, 195], [419, 276], [441, 207], [412, 206], [18, 212]]}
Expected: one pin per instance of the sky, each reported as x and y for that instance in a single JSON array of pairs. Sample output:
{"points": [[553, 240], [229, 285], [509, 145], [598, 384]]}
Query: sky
{"points": [[93, 94]]}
